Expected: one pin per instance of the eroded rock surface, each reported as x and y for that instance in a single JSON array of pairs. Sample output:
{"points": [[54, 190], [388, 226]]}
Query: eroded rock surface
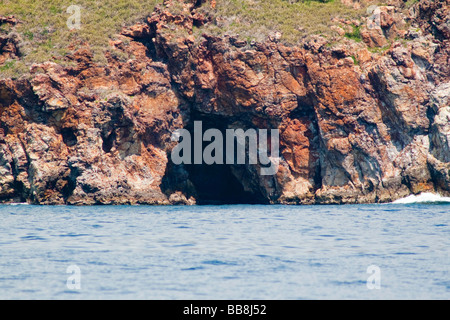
{"points": [[356, 126]]}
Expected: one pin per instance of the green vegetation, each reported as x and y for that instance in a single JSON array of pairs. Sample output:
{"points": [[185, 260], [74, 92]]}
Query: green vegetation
{"points": [[409, 3], [46, 36], [380, 50], [7, 65], [355, 34], [44, 29], [292, 18]]}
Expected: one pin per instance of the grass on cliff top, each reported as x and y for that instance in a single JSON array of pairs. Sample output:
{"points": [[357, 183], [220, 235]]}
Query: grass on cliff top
{"points": [[45, 35], [294, 19]]}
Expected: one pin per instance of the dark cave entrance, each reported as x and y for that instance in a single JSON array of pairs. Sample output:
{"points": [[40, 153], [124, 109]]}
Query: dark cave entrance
{"points": [[216, 184], [210, 183]]}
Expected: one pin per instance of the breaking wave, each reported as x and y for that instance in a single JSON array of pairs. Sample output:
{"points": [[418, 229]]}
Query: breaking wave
{"points": [[423, 198]]}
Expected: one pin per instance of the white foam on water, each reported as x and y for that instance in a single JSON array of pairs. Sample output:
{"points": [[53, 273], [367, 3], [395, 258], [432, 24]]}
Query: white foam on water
{"points": [[425, 197], [17, 204]]}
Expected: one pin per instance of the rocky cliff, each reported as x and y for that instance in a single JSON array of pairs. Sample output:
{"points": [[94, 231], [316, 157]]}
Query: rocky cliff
{"points": [[360, 122]]}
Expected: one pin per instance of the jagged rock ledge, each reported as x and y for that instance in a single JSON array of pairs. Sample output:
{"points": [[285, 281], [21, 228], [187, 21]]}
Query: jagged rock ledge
{"points": [[356, 126]]}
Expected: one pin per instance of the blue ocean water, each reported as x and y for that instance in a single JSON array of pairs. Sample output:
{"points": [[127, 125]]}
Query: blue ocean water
{"points": [[225, 252]]}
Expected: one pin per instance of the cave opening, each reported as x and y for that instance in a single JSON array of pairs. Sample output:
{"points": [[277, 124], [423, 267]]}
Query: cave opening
{"points": [[211, 183], [216, 184]]}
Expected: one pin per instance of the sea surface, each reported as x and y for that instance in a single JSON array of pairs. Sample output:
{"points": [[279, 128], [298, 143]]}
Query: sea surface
{"points": [[254, 252]]}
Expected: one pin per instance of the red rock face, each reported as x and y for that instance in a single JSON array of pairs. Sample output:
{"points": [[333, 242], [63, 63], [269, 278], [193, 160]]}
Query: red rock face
{"points": [[355, 127], [88, 134]]}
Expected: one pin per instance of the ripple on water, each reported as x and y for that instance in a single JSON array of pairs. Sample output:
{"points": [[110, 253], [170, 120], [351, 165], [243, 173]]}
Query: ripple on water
{"points": [[32, 238], [193, 268], [405, 253], [73, 235], [220, 263]]}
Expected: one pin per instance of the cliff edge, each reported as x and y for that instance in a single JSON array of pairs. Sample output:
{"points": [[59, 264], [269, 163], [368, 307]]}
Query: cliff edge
{"points": [[365, 119]]}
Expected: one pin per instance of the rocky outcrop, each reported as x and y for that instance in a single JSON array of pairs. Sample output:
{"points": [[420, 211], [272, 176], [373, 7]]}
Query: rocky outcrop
{"points": [[88, 134], [9, 42], [356, 126]]}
